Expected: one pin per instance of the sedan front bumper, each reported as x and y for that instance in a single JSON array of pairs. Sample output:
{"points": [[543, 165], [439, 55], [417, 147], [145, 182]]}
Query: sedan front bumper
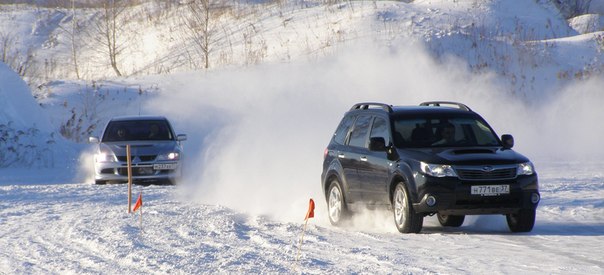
{"points": [[155, 171]]}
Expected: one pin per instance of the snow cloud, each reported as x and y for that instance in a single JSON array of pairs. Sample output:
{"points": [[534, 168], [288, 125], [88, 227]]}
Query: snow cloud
{"points": [[569, 122], [257, 135]]}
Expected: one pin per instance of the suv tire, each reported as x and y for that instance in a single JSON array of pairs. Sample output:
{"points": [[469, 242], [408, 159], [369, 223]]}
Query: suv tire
{"points": [[405, 218], [336, 205], [522, 221], [450, 220]]}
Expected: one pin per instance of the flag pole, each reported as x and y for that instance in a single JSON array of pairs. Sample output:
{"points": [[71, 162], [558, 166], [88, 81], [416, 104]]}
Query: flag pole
{"points": [[129, 162], [309, 214], [301, 240], [141, 216]]}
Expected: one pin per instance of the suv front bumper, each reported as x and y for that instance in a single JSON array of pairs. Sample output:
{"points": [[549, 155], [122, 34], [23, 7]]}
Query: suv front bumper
{"points": [[453, 196]]}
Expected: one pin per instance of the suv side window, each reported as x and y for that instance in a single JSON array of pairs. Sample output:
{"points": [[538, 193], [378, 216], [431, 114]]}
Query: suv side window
{"points": [[358, 136], [380, 129], [340, 135]]}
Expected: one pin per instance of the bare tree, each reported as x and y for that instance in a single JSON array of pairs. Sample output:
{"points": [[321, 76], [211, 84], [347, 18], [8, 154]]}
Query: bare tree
{"points": [[16, 60], [109, 27], [6, 41], [572, 8], [203, 26], [74, 26], [72, 33]]}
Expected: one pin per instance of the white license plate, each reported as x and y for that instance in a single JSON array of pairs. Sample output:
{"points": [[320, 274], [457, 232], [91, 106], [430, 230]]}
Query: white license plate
{"points": [[164, 166], [490, 190]]}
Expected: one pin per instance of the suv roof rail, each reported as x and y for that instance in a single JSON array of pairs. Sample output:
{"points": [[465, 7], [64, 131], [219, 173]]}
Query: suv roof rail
{"points": [[366, 105], [439, 103]]}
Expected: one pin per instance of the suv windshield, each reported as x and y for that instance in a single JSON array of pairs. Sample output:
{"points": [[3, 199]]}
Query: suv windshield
{"points": [[442, 132], [137, 130]]}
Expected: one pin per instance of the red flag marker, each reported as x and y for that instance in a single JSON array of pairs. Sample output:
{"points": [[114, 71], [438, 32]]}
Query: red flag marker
{"points": [[139, 202], [311, 210]]}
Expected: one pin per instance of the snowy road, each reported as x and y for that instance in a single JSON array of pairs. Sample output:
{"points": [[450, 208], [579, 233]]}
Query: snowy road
{"points": [[82, 228]]}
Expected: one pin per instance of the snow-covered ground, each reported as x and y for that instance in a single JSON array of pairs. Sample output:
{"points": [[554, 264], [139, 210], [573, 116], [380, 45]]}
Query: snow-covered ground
{"points": [[257, 135], [82, 228]]}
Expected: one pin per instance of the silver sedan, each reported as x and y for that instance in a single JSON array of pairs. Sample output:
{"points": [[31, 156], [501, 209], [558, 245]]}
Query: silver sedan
{"points": [[156, 152]]}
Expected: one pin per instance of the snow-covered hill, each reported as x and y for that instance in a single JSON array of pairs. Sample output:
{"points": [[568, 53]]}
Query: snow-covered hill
{"points": [[258, 121], [153, 37]]}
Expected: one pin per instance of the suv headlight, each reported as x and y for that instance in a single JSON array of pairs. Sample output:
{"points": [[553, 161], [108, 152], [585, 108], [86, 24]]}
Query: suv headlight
{"points": [[105, 157], [169, 156], [437, 170], [525, 169]]}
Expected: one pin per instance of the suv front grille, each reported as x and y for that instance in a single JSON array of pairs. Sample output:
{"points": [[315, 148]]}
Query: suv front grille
{"points": [[480, 174]]}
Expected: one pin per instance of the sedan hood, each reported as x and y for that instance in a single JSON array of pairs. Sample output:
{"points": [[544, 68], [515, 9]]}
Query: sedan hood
{"points": [[465, 156]]}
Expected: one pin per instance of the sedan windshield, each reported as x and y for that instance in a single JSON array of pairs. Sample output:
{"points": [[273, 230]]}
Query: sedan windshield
{"points": [[137, 130], [442, 132]]}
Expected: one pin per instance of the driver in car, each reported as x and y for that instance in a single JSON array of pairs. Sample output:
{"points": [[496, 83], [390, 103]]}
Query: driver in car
{"points": [[447, 134]]}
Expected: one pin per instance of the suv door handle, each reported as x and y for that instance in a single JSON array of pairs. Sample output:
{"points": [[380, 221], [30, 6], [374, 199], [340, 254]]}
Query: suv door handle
{"points": [[363, 158], [341, 156]]}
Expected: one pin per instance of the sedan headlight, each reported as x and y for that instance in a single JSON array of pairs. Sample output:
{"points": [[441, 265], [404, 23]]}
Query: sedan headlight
{"points": [[169, 156], [437, 170], [525, 169], [105, 157]]}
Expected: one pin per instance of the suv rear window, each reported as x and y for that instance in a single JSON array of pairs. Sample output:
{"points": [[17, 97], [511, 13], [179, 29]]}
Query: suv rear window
{"points": [[343, 128]]}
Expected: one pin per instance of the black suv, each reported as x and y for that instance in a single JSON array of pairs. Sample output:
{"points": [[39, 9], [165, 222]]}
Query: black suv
{"points": [[436, 158]]}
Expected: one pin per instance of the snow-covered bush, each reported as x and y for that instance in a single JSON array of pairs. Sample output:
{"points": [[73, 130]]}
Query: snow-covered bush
{"points": [[25, 147]]}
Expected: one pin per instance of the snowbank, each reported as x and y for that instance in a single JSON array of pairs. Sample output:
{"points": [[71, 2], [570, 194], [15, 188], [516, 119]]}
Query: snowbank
{"points": [[587, 23], [27, 138], [17, 106]]}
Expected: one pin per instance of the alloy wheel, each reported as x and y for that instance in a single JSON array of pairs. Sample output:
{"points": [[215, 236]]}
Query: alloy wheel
{"points": [[335, 204], [400, 206]]}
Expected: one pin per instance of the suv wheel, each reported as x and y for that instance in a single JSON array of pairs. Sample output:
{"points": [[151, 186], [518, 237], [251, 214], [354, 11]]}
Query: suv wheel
{"points": [[336, 206], [522, 221], [450, 220], [405, 218]]}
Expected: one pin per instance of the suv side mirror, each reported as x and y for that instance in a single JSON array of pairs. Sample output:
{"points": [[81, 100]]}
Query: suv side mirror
{"points": [[93, 140], [377, 144], [508, 141]]}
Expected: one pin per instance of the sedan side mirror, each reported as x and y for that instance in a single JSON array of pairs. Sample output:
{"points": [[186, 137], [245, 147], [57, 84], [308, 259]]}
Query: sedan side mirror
{"points": [[377, 144], [181, 137], [93, 140], [508, 141]]}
